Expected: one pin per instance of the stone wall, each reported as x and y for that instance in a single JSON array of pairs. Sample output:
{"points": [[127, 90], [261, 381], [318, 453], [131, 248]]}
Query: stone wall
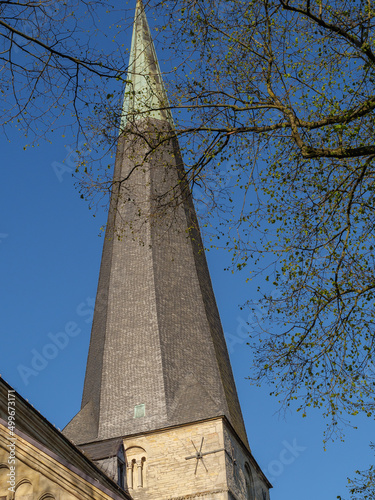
{"points": [[163, 465], [38, 476], [245, 479], [166, 471]]}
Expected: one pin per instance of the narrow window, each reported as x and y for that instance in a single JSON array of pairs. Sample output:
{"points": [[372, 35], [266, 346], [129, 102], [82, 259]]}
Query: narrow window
{"points": [[121, 473], [130, 468], [135, 458], [249, 483], [24, 490]]}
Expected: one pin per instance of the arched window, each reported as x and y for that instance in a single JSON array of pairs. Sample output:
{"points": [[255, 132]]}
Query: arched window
{"points": [[4, 470], [24, 490], [249, 483], [135, 467]]}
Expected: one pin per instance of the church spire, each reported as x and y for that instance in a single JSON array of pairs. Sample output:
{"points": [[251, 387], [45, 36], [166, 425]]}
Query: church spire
{"points": [[159, 398], [157, 356], [145, 94]]}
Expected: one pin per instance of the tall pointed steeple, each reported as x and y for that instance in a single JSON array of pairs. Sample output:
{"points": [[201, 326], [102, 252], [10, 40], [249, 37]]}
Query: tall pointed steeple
{"points": [[157, 360], [145, 94]]}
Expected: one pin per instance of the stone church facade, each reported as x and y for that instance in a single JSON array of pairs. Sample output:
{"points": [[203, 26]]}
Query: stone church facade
{"points": [[160, 417], [37, 462]]}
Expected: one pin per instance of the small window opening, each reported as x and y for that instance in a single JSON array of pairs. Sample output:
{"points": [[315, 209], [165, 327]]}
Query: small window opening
{"points": [[121, 474]]}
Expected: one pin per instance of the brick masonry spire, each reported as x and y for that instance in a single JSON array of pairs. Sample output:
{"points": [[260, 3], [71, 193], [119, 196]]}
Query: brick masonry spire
{"points": [[157, 355]]}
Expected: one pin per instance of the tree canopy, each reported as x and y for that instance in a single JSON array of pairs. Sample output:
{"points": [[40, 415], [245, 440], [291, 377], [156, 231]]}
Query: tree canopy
{"points": [[278, 96], [55, 62], [362, 487], [283, 91]]}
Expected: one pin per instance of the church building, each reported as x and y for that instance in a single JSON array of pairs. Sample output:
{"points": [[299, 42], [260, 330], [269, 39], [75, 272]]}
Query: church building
{"points": [[160, 417]]}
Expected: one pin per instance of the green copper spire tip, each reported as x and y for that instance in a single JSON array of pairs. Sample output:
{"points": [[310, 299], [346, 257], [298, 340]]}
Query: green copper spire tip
{"points": [[145, 95]]}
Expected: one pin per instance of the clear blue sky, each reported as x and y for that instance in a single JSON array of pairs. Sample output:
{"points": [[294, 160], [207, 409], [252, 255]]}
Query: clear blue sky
{"points": [[50, 256]]}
